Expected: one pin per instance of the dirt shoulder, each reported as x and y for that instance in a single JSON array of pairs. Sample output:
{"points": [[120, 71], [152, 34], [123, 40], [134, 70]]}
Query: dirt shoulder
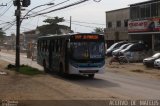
{"points": [[135, 69], [15, 86]]}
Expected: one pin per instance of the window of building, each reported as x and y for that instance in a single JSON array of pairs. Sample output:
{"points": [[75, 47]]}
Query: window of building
{"points": [[158, 8], [126, 23], [109, 24], [118, 23], [145, 10], [134, 12], [142, 11], [154, 9], [148, 10]]}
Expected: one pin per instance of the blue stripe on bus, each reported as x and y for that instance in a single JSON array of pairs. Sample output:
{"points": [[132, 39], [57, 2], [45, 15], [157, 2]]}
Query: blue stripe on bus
{"points": [[89, 65]]}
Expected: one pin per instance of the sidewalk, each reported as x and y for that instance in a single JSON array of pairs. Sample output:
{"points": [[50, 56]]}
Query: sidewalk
{"points": [[12, 52], [9, 56]]}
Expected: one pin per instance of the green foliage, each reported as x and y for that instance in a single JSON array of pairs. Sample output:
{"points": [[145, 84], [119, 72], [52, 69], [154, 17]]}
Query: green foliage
{"points": [[2, 34], [25, 69], [54, 21], [99, 30], [52, 26]]}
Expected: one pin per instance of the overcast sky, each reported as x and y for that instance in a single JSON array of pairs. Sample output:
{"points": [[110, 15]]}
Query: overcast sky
{"points": [[90, 12]]}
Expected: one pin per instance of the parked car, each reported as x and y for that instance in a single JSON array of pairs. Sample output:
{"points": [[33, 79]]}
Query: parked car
{"points": [[114, 47], [116, 52], [135, 52], [149, 62], [157, 63]]}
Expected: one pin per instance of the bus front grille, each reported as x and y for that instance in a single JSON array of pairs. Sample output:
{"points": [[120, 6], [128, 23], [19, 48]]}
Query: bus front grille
{"points": [[88, 71]]}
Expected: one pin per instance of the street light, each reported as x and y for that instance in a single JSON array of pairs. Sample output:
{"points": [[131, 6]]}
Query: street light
{"points": [[48, 4]]}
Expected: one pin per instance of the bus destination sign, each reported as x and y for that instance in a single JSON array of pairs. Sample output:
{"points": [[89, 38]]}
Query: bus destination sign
{"points": [[86, 37]]}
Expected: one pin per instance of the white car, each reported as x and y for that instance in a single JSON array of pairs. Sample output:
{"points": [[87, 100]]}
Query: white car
{"points": [[157, 63]]}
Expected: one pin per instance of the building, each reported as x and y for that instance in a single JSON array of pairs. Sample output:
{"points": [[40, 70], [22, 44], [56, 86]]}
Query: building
{"points": [[10, 42], [116, 25], [144, 23], [30, 41], [30, 37]]}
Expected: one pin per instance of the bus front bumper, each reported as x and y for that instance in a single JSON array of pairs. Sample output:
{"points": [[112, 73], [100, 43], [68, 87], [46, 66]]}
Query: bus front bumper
{"points": [[89, 70]]}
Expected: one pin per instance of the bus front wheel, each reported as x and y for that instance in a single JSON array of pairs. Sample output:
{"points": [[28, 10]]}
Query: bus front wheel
{"points": [[61, 70], [91, 75]]}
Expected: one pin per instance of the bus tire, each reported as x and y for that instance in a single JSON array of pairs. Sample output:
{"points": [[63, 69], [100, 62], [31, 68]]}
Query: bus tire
{"points": [[91, 75], [61, 70], [45, 67]]}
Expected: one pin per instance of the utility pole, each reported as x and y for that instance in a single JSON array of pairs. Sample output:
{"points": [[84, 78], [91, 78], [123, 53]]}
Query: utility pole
{"points": [[70, 23], [18, 15], [19, 3]]}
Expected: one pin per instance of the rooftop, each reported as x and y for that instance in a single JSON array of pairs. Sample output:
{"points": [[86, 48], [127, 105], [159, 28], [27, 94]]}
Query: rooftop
{"points": [[145, 2]]}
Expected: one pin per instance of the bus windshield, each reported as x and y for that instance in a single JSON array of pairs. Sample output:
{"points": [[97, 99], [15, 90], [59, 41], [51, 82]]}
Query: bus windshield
{"points": [[87, 50]]}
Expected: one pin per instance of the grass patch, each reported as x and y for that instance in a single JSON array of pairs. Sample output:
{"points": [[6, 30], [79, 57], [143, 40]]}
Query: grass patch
{"points": [[25, 69], [138, 71]]}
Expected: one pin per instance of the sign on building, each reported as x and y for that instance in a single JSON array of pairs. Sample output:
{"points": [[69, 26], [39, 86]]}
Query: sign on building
{"points": [[147, 25]]}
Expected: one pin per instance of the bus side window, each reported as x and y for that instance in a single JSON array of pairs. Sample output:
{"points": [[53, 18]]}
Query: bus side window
{"points": [[57, 45], [60, 45], [46, 46], [42, 45], [53, 45]]}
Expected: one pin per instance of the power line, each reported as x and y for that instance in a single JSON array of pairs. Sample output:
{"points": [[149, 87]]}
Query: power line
{"points": [[72, 21], [52, 6], [9, 25], [73, 4], [86, 22], [6, 10], [83, 25]]}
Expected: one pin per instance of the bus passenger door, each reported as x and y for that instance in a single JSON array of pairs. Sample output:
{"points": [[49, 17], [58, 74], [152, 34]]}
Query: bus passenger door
{"points": [[50, 54], [67, 50]]}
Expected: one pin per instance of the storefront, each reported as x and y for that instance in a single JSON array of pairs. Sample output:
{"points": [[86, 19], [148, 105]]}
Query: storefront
{"points": [[147, 31]]}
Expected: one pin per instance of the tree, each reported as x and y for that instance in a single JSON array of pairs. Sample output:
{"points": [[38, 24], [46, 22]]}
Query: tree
{"points": [[52, 26], [99, 30], [2, 34], [54, 21]]}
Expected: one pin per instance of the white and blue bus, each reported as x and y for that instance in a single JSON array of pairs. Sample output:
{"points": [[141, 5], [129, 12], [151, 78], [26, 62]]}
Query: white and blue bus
{"points": [[82, 53]]}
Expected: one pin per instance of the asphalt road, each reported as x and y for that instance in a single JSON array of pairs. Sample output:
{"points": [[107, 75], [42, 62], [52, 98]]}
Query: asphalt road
{"points": [[117, 85]]}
